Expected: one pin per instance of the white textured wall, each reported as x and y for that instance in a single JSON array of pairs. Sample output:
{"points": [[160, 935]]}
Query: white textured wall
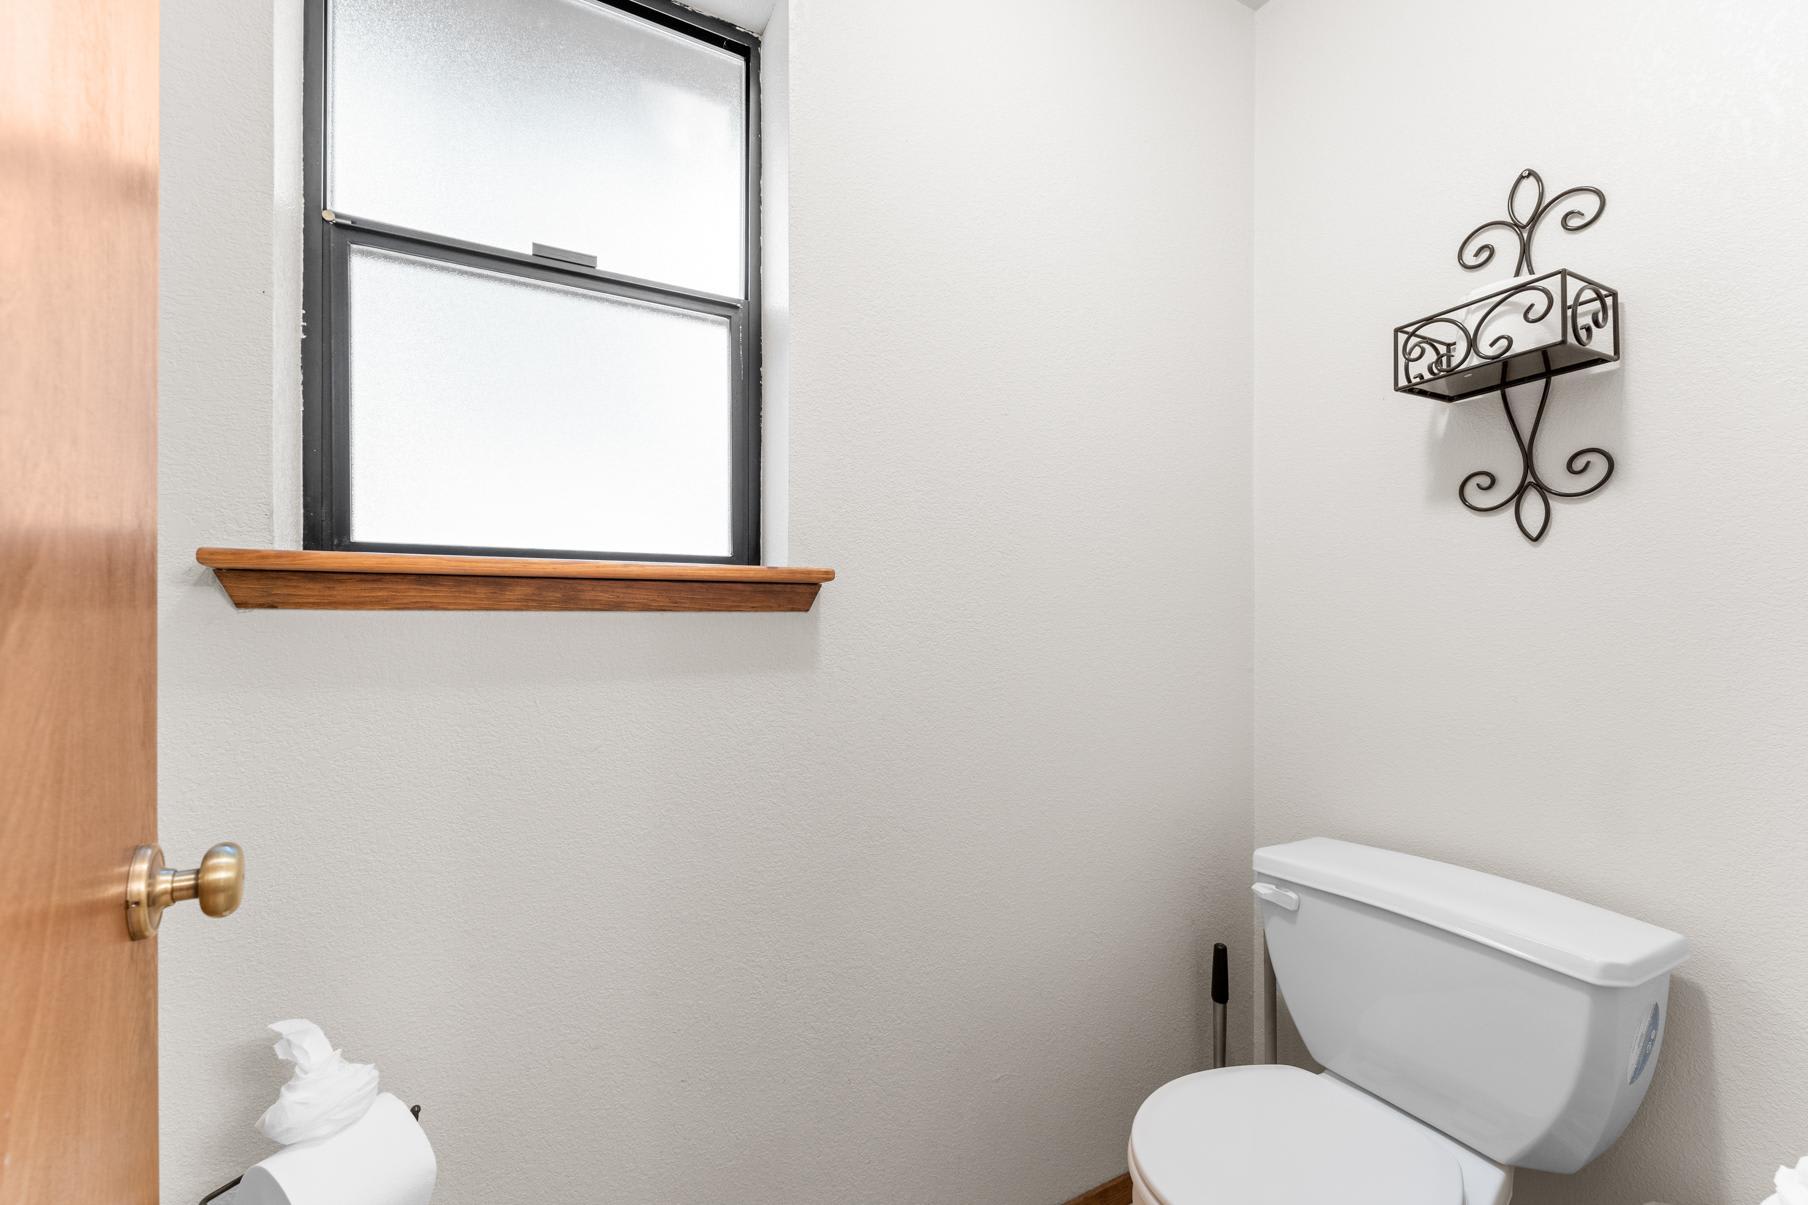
{"points": [[1619, 713], [907, 899]]}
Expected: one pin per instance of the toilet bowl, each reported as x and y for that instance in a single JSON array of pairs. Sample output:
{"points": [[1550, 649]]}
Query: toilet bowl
{"points": [[1261, 1135], [1467, 1024]]}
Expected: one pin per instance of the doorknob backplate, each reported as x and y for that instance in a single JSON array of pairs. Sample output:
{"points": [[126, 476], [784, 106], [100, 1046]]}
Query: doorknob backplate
{"points": [[218, 884]]}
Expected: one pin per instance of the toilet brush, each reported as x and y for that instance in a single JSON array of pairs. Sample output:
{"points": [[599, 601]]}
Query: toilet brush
{"points": [[1220, 998]]}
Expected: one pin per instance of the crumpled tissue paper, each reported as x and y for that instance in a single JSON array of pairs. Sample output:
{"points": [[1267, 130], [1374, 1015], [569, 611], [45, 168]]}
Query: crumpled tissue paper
{"points": [[1792, 1185], [325, 1095]]}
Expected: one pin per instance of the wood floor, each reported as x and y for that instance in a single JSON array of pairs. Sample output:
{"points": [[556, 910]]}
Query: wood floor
{"points": [[1117, 1192]]}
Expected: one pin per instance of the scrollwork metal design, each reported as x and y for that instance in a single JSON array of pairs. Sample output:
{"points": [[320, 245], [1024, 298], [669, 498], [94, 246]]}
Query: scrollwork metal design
{"points": [[1532, 489], [1501, 346], [1589, 312], [1590, 203], [1444, 354], [1582, 323]]}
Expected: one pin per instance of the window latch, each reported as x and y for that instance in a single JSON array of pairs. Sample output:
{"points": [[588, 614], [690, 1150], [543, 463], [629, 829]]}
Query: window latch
{"points": [[543, 251]]}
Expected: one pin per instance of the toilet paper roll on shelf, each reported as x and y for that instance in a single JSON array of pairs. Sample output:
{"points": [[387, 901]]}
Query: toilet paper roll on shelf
{"points": [[1497, 318]]}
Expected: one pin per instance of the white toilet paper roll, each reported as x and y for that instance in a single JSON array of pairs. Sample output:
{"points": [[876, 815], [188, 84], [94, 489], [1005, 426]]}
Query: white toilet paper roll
{"points": [[383, 1158], [1500, 314]]}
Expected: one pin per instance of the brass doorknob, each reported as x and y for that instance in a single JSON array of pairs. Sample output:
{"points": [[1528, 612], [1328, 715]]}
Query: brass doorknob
{"points": [[218, 883]]}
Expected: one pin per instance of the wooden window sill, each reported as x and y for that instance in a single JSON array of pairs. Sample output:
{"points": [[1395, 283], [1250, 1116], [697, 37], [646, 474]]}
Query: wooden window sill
{"points": [[387, 581]]}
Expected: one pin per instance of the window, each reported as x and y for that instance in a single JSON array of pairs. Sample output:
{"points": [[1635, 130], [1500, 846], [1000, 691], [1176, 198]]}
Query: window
{"points": [[532, 287]]}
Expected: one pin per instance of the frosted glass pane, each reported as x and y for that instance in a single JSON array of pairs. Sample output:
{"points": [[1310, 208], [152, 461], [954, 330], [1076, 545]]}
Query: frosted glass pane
{"points": [[491, 411], [511, 122]]}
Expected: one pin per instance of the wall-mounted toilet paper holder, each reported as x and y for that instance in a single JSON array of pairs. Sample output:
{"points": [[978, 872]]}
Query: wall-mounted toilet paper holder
{"points": [[223, 1189]]}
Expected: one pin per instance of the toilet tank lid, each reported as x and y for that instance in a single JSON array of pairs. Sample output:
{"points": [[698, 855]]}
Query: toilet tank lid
{"points": [[1567, 936]]}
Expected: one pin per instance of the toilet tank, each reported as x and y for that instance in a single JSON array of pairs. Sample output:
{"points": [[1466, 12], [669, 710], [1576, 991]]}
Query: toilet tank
{"points": [[1520, 1022]]}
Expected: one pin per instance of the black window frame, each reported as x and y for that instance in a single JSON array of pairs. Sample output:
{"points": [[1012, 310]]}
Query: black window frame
{"points": [[328, 241]]}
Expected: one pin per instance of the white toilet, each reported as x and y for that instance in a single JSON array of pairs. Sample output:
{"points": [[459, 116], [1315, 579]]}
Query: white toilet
{"points": [[1468, 1025]]}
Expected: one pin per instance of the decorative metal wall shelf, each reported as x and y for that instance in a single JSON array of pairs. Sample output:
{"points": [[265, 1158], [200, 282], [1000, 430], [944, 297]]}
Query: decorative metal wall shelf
{"points": [[1522, 332], [1527, 331]]}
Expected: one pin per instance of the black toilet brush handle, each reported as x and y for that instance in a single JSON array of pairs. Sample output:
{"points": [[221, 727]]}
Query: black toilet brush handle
{"points": [[1220, 998]]}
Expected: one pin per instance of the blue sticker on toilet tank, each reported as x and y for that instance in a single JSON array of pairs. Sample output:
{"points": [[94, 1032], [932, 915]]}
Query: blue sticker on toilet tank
{"points": [[1641, 1050]]}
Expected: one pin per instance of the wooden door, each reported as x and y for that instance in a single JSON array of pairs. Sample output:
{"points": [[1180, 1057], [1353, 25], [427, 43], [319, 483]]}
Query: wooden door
{"points": [[78, 306]]}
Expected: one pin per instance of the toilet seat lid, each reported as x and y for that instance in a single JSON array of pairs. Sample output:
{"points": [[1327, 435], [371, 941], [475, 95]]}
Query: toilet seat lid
{"points": [[1283, 1136]]}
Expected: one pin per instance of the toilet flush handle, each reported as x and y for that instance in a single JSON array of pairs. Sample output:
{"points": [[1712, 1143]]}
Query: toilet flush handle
{"points": [[1280, 897]]}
